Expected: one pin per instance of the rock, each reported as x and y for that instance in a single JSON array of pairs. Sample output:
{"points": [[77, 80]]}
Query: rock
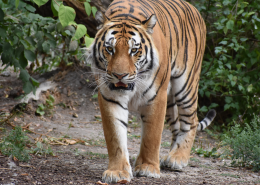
{"points": [[75, 115], [5, 73]]}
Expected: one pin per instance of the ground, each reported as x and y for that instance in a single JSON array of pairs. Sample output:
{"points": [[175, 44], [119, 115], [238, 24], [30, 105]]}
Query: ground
{"points": [[73, 130]]}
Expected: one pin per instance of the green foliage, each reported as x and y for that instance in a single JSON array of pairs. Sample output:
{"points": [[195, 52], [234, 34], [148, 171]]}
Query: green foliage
{"points": [[89, 9], [245, 144], [231, 68], [206, 153], [40, 150], [15, 144], [26, 37], [46, 107]]}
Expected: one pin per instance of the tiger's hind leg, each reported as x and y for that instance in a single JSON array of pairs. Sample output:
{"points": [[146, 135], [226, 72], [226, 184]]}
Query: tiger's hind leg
{"points": [[182, 117]]}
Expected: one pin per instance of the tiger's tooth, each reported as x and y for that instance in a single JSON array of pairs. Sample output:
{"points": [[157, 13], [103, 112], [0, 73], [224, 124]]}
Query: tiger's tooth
{"points": [[116, 85], [126, 85]]}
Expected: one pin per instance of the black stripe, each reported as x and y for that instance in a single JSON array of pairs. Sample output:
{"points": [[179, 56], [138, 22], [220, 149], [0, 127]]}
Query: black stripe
{"points": [[171, 105], [185, 122], [113, 101], [152, 82], [174, 122], [132, 8], [188, 115], [184, 130], [189, 106], [124, 123]]}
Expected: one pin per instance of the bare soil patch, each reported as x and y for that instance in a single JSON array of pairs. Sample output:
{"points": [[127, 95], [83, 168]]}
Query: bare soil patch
{"points": [[76, 118]]}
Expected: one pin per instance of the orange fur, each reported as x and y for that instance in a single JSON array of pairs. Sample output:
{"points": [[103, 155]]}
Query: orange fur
{"points": [[146, 49]]}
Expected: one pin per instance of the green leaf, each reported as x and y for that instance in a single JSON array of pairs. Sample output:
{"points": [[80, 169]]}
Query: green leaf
{"points": [[55, 5], [223, 42], [213, 105], [23, 61], [250, 88], [2, 33], [207, 93], [87, 8], [228, 99], [94, 10], [17, 3], [24, 76], [80, 32], [228, 65], [95, 96], [66, 15], [226, 107], [230, 25], [30, 8], [73, 45], [29, 55], [35, 82], [46, 46], [244, 39], [51, 98], [230, 77], [39, 111], [30, 40], [41, 106], [88, 41], [203, 109], [2, 14], [40, 2]]}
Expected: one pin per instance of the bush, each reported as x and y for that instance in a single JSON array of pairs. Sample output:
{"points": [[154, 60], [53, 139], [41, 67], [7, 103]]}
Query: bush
{"points": [[245, 144], [231, 68], [29, 41], [14, 144]]}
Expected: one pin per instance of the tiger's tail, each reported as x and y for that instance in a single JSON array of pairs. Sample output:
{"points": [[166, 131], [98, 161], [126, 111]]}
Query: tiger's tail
{"points": [[207, 120]]}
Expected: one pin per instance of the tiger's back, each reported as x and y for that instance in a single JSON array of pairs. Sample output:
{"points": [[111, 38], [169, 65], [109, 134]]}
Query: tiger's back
{"points": [[151, 53]]}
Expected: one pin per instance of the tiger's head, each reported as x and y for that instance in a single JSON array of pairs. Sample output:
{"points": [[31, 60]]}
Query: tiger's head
{"points": [[123, 51]]}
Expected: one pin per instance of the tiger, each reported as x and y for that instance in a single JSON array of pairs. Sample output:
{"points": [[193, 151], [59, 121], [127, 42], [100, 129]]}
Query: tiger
{"points": [[146, 57]]}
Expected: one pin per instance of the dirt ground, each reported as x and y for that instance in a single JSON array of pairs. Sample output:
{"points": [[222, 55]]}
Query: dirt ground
{"points": [[73, 130]]}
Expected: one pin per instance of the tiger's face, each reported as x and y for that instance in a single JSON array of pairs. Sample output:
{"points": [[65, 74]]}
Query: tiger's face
{"points": [[124, 52]]}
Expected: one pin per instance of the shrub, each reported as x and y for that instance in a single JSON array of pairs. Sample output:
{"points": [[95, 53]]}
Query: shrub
{"points": [[245, 144], [231, 68], [15, 144]]}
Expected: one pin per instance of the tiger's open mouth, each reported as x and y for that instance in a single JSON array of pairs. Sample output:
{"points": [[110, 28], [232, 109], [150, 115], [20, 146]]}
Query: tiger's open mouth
{"points": [[122, 86]]}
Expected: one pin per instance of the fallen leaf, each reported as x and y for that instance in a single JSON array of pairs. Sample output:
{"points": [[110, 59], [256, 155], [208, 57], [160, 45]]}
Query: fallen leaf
{"points": [[24, 174], [70, 141], [15, 159], [99, 182], [122, 181]]}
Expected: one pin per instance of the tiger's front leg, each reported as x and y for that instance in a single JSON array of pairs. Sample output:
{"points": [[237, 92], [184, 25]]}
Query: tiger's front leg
{"points": [[147, 162], [114, 120]]}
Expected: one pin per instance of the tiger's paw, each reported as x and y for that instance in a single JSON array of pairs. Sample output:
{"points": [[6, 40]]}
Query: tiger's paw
{"points": [[175, 161], [147, 170], [113, 176]]}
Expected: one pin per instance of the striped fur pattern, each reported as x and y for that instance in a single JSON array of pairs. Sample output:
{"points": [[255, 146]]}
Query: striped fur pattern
{"points": [[147, 57]]}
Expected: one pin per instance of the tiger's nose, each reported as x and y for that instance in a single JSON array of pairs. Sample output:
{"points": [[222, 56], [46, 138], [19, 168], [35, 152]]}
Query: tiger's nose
{"points": [[120, 76]]}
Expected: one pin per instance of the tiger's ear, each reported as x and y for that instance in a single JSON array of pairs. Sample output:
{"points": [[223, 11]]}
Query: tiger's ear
{"points": [[148, 24], [101, 19]]}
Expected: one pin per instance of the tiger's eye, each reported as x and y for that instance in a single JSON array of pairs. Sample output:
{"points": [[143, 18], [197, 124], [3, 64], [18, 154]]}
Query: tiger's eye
{"points": [[133, 50], [109, 48]]}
